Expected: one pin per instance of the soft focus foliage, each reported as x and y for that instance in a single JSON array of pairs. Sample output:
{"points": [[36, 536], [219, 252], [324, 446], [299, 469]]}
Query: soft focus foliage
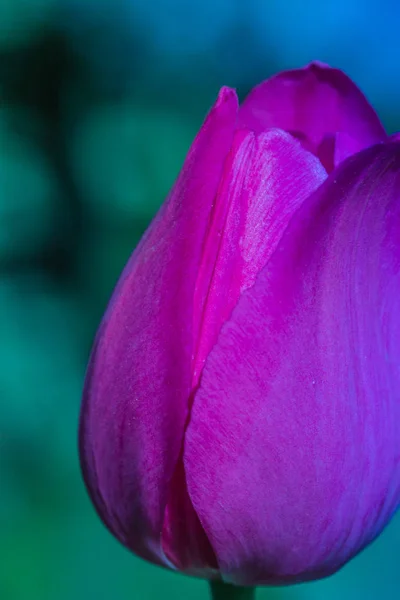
{"points": [[100, 100]]}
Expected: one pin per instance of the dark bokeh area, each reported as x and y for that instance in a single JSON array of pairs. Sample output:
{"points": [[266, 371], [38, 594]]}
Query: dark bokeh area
{"points": [[99, 103]]}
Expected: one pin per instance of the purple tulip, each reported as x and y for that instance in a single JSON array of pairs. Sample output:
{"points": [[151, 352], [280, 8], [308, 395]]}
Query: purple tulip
{"points": [[241, 413]]}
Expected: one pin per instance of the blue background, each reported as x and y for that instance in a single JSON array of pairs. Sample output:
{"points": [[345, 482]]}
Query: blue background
{"points": [[100, 100]]}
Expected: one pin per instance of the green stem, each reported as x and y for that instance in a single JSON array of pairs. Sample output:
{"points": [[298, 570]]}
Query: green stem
{"points": [[226, 591]]}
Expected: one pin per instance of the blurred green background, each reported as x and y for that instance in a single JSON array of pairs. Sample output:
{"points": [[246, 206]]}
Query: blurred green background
{"points": [[99, 103]]}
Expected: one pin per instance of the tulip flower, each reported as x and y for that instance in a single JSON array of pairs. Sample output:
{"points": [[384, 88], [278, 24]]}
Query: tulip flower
{"points": [[241, 411]]}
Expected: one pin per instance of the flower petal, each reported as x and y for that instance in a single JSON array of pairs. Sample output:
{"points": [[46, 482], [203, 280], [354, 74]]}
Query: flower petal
{"points": [[139, 377], [266, 178], [314, 104], [292, 453]]}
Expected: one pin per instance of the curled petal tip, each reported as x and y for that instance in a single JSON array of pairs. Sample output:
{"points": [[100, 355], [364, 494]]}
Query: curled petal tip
{"points": [[318, 64], [226, 94]]}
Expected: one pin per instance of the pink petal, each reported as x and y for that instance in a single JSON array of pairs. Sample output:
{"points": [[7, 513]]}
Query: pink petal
{"points": [[265, 180], [314, 104], [139, 378], [292, 453]]}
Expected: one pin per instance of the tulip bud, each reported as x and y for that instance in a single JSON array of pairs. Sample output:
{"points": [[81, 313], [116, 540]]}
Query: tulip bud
{"points": [[240, 418]]}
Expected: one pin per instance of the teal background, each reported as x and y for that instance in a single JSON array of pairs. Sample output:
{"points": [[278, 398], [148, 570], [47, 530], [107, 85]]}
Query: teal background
{"points": [[100, 100]]}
